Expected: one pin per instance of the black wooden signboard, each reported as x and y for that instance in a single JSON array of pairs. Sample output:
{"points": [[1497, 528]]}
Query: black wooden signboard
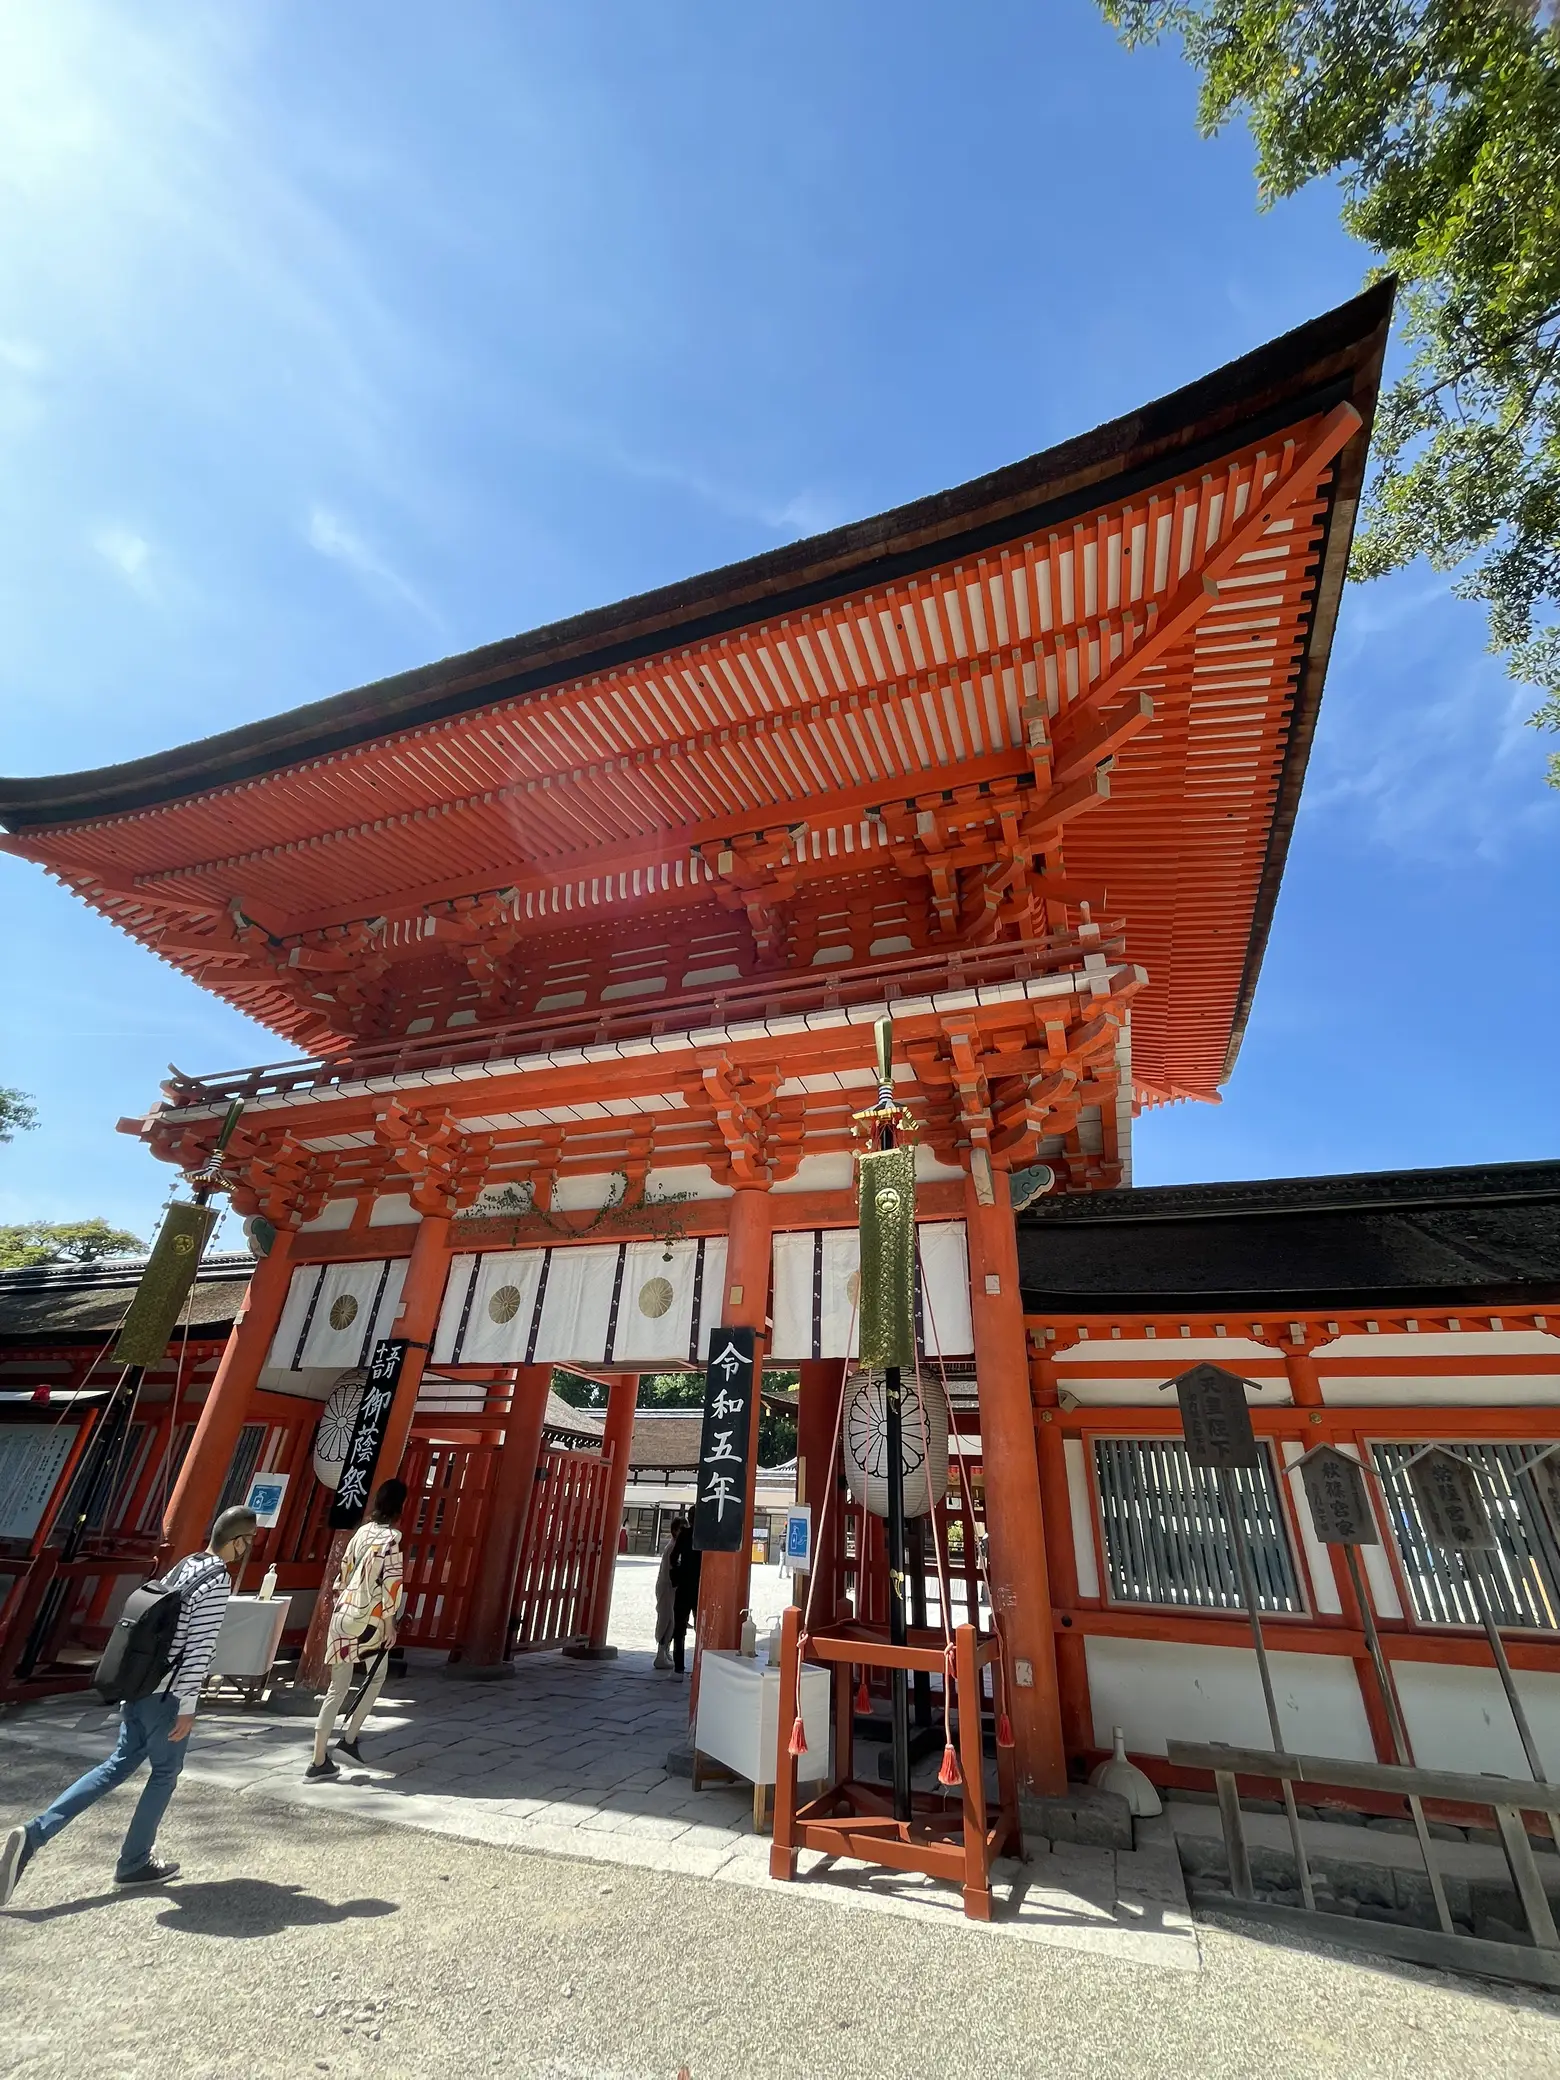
{"points": [[368, 1433], [1215, 1419], [1340, 1503], [1451, 1506], [720, 1505]]}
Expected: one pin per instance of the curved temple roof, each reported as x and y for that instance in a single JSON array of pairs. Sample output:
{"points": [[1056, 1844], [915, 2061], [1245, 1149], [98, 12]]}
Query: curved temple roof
{"points": [[986, 651]]}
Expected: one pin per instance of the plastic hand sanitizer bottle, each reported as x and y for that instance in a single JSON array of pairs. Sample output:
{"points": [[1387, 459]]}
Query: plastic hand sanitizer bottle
{"points": [[268, 1586], [749, 1637]]}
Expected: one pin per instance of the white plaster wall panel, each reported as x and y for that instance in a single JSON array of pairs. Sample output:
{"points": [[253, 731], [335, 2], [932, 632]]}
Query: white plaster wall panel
{"points": [[1174, 1353], [694, 1179], [1324, 1587], [334, 1214], [334, 1313], [1080, 1498], [834, 1172], [1158, 1691], [577, 1304], [583, 1194], [393, 1210], [1475, 1341], [1458, 1718], [488, 1322], [1445, 1390]]}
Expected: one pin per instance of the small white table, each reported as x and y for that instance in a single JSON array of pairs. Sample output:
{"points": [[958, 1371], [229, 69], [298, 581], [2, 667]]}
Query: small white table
{"points": [[739, 1719], [252, 1628]]}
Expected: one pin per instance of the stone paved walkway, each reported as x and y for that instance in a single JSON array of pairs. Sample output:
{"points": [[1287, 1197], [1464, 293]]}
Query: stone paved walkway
{"points": [[568, 1759]]}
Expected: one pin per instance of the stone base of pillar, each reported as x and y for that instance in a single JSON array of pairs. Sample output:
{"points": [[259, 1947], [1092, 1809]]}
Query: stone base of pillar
{"points": [[584, 1651]]}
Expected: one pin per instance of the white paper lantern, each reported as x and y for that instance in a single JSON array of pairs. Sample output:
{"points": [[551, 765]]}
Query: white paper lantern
{"points": [[334, 1435], [923, 1442]]}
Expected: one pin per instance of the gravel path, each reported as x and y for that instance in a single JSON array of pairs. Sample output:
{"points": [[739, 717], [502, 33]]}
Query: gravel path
{"points": [[302, 1944]]}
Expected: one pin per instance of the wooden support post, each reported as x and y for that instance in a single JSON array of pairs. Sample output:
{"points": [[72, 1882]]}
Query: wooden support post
{"points": [[485, 1647], [972, 1767], [782, 1853], [421, 1295], [198, 1488], [1020, 1578], [617, 1437], [723, 1577], [1072, 1668]]}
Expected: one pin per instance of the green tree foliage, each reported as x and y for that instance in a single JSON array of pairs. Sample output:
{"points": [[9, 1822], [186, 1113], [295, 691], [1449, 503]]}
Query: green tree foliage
{"points": [[54, 1242], [1440, 119], [776, 1426], [18, 1114]]}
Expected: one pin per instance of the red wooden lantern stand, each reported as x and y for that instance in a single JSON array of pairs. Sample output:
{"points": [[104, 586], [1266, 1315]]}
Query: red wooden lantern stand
{"points": [[957, 1842]]}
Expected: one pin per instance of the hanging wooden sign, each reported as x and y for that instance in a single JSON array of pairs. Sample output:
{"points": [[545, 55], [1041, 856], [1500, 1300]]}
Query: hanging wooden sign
{"points": [[1215, 1419], [720, 1505], [368, 1433], [1340, 1501], [1451, 1503]]}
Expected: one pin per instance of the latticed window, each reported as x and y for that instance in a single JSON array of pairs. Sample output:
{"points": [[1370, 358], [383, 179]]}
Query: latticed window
{"points": [[1167, 1540], [1521, 1577]]}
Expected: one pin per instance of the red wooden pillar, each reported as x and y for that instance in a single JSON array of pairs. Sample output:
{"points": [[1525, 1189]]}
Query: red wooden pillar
{"points": [[817, 1477], [198, 1488], [1020, 1578], [617, 1436], [421, 1295], [485, 1647], [1072, 1669], [723, 1577]]}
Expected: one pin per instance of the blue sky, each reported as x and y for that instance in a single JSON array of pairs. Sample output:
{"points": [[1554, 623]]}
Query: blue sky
{"points": [[333, 340]]}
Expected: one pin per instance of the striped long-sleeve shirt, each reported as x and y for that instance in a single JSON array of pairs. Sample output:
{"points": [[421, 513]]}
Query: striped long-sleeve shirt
{"points": [[195, 1635]]}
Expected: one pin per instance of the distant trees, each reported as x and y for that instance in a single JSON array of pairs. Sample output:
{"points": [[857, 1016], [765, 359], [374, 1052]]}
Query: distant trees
{"points": [[18, 1114], [25, 1243], [1439, 121]]}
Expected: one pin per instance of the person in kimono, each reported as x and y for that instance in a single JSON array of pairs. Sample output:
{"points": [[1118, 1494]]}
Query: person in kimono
{"points": [[369, 1598]]}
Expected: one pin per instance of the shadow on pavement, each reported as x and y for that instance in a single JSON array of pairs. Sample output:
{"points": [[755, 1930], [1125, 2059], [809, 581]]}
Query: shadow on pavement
{"points": [[243, 1907]]}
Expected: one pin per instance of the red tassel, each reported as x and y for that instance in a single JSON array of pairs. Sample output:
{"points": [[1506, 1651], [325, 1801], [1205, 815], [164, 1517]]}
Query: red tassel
{"points": [[1004, 1731], [949, 1773], [863, 1696], [798, 1741]]}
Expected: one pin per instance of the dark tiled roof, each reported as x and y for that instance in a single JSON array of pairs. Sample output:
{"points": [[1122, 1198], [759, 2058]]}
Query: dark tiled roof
{"points": [[1489, 1232], [67, 1303]]}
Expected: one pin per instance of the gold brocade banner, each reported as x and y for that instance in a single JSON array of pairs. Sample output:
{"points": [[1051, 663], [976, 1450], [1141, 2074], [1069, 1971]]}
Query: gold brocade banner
{"points": [[887, 1186], [165, 1284]]}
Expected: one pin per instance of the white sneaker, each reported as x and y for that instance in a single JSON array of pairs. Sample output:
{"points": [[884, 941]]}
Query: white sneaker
{"points": [[13, 1858], [662, 1659]]}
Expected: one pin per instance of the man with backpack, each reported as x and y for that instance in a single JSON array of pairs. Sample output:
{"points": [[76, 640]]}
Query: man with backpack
{"points": [[153, 1668]]}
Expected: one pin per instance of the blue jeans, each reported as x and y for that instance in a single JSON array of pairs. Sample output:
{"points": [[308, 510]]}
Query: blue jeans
{"points": [[143, 1737]]}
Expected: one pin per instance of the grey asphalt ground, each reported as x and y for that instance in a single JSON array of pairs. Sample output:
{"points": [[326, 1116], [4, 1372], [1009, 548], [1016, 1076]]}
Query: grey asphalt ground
{"points": [[299, 1944]]}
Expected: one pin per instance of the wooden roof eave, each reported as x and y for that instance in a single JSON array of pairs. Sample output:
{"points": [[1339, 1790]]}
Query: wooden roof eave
{"points": [[1336, 356]]}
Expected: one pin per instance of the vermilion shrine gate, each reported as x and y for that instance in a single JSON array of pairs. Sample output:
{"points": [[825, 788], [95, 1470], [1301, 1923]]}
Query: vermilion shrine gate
{"points": [[581, 938]]}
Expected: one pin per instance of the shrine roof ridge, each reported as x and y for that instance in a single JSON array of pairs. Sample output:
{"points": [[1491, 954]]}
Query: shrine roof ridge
{"points": [[1356, 1191], [1333, 357]]}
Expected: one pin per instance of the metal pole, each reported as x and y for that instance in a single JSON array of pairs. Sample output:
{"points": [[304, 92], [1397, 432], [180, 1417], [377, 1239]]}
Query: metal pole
{"points": [[1402, 1753], [899, 1688], [1229, 1496], [1498, 1648]]}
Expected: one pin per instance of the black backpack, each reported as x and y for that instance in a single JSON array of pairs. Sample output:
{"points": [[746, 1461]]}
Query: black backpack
{"points": [[139, 1653]]}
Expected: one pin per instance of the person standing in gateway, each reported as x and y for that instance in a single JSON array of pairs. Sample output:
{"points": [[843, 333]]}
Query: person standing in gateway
{"points": [[369, 1598], [154, 1729]]}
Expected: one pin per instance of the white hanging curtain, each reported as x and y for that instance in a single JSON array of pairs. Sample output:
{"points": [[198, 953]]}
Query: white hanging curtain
{"points": [[817, 1286], [627, 1303], [335, 1313]]}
